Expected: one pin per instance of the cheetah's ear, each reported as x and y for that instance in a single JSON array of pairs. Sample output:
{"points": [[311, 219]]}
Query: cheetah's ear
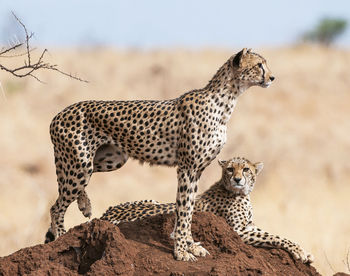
{"points": [[258, 167], [238, 57], [244, 51], [222, 163]]}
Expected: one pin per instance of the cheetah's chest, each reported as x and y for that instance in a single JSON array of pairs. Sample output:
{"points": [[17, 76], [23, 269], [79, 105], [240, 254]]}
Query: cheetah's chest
{"points": [[218, 139], [221, 135], [218, 133]]}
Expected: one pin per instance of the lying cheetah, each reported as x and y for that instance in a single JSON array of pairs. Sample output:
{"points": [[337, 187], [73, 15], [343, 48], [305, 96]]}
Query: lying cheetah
{"points": [[228, 198], [187, 132]]}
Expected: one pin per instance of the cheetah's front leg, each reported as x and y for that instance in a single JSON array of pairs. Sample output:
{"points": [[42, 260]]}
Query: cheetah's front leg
{"points": [[257, 237], [185, 248]]}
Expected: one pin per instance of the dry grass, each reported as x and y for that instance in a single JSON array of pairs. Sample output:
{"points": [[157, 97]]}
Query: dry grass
{"points": [[299, 128]]}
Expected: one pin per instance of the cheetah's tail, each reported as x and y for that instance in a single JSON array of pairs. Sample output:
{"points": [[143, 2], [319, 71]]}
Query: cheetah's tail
{"points": [[137, 210]]}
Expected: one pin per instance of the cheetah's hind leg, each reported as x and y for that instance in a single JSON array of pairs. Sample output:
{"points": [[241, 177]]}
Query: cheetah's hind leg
{"points": [[71, 184]]}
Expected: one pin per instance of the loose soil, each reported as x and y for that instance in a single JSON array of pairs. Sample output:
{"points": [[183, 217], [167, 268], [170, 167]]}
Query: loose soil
{"points": [[145, 248]]}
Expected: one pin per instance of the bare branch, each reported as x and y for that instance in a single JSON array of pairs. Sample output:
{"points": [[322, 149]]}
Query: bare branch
{"points": [[6, 50], [17, 55], [27, 36], [30, 66]]}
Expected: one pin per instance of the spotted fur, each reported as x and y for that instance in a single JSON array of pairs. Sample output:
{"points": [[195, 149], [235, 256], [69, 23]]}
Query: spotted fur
{"points": [[187, 132], [228, 198]]}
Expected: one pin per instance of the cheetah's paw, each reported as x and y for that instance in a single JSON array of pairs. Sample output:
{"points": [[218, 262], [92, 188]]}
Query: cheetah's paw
{"points": [[185, 256], [85, 207], [300, 254], [198, 250], [50, 236], [86, 212]]}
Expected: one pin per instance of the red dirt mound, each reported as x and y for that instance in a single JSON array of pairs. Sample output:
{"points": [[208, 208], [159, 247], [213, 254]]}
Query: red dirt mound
{"points": [[144, 248]]}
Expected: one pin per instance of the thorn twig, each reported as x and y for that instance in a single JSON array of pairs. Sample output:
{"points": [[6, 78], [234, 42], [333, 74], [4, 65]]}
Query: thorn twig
{"points": [[30, 66]]}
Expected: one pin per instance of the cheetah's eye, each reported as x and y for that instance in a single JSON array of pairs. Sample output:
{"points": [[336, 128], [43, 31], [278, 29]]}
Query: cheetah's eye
{"points": [[246, 169], [230, 170], [260, 65]]}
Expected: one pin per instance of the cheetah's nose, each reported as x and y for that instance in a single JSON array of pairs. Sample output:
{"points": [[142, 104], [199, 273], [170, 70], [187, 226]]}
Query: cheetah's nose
{"points": [[272, 78], [237, 179]]}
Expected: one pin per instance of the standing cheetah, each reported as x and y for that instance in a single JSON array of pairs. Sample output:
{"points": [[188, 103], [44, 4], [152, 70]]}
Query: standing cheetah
{"points": [[227, 198], [187, 132]]}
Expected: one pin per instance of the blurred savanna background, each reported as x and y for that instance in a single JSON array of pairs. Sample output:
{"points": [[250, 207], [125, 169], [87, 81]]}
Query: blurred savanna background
{"points": [[299, 127]]}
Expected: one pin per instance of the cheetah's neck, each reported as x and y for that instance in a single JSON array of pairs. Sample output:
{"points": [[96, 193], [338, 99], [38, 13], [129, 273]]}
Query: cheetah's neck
{"points": [[225, 83], [224, 90], [218, 192]]}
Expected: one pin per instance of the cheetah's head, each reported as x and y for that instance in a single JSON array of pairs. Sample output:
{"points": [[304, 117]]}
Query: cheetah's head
{"points": [[250, 69], [239, 175]]}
